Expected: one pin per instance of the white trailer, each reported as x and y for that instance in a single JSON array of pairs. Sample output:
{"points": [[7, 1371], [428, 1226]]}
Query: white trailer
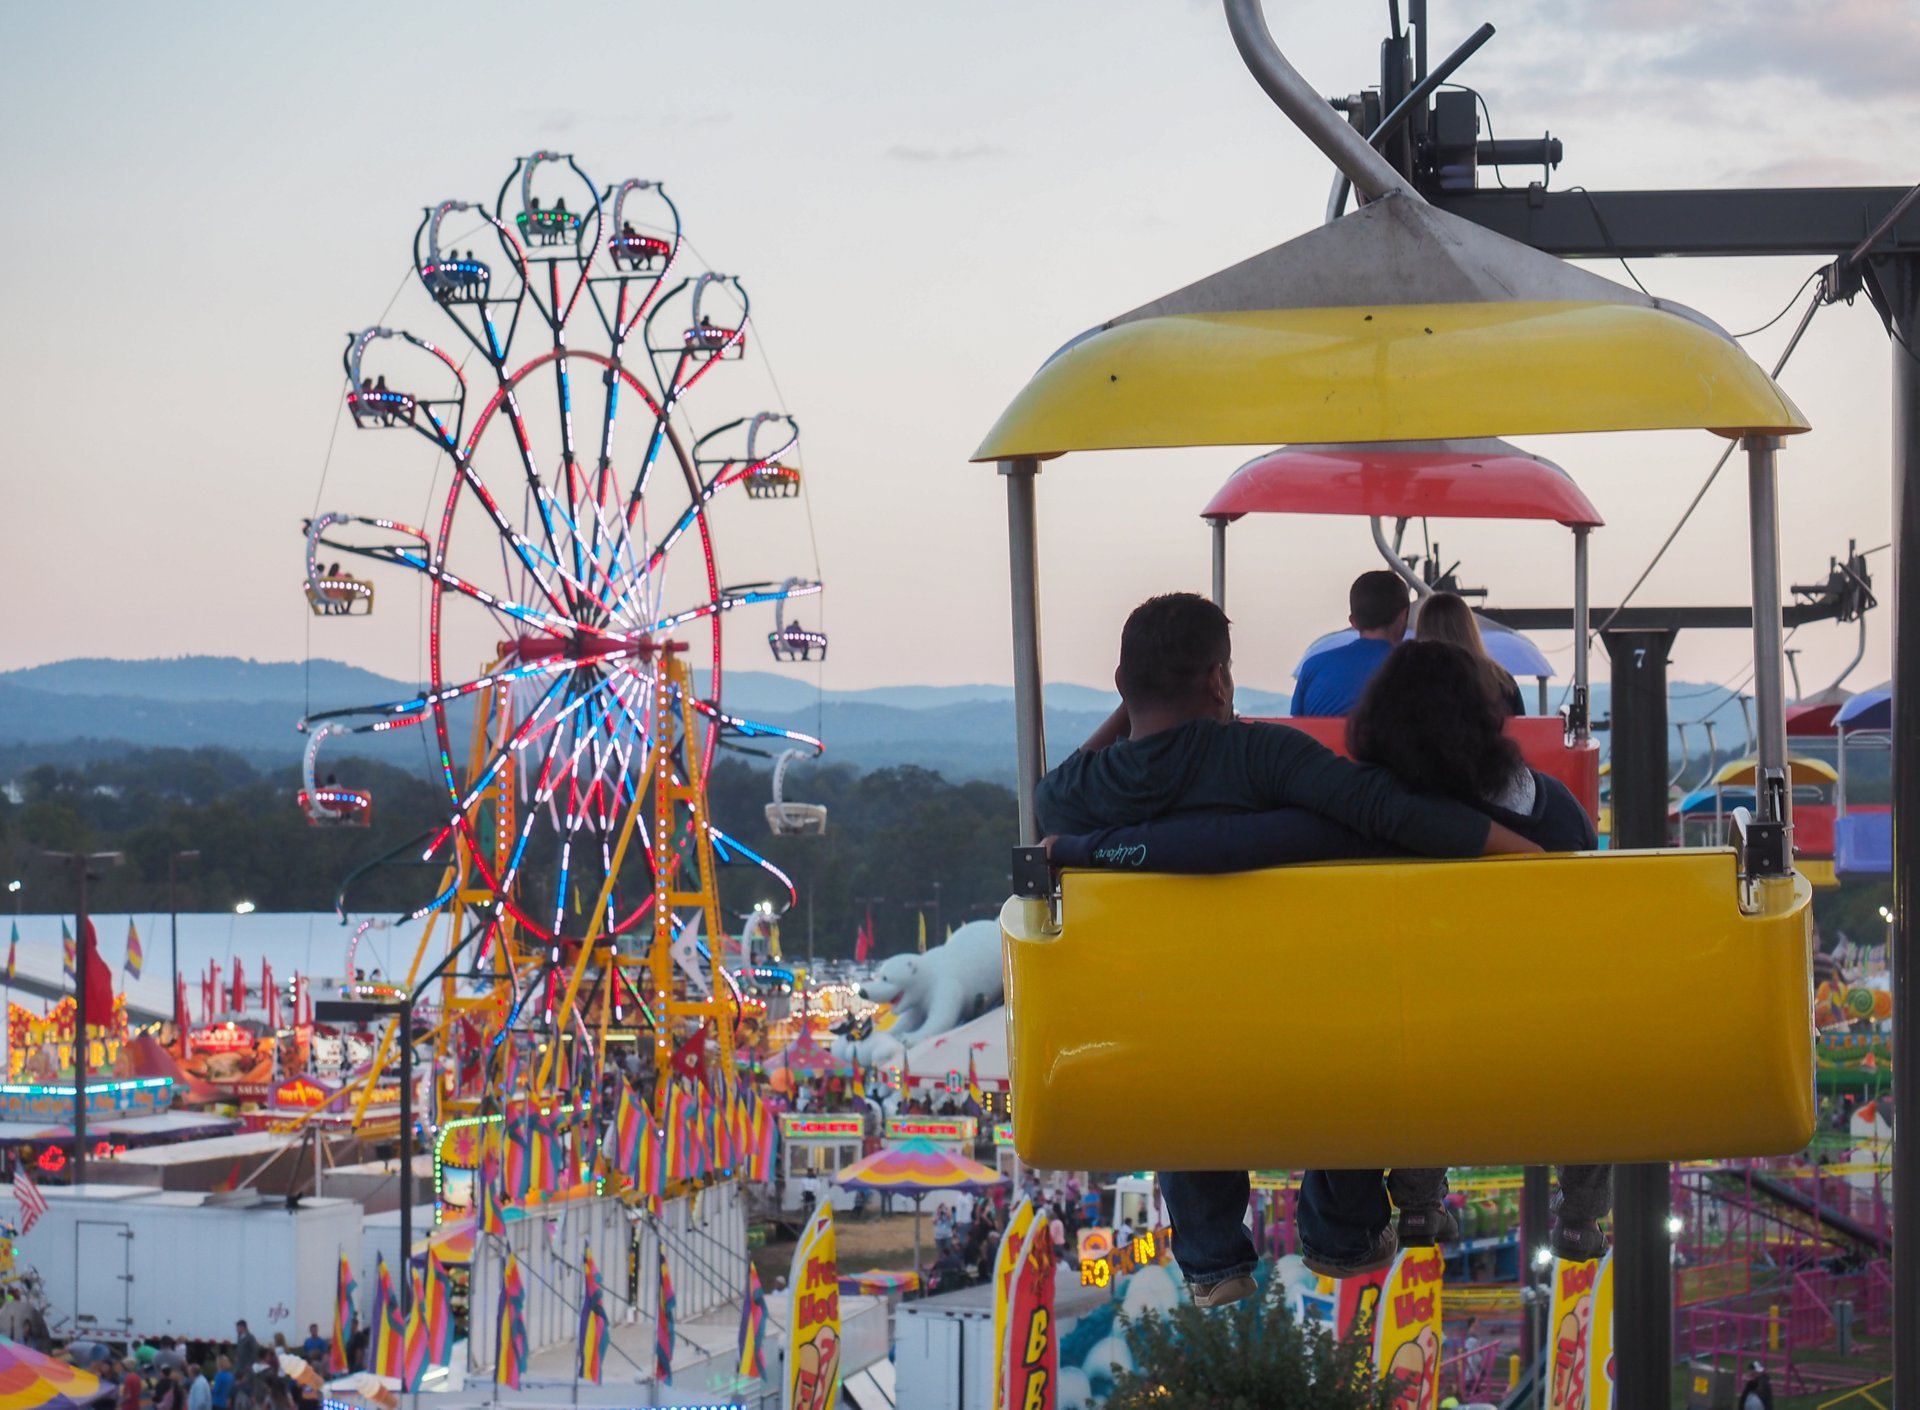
{"points": [[121, 1261]]}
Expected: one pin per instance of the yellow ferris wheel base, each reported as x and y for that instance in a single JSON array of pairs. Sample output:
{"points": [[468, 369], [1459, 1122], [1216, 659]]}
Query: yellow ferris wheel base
{"points": [[1503, 1011]]}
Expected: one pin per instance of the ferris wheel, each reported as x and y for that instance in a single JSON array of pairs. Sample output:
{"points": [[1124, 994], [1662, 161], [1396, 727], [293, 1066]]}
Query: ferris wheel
{"points": [[573, 583]]}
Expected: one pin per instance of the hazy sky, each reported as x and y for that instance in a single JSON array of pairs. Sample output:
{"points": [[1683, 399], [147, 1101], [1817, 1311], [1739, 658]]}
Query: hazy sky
{"points": [[925, 200]]}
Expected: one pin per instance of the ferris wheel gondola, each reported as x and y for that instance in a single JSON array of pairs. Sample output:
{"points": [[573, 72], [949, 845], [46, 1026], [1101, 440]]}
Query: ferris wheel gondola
{"points": [[763, 472], [793, 819], [790, 641], [373, 404], [451, 276], [637, 251], [324, 802]]}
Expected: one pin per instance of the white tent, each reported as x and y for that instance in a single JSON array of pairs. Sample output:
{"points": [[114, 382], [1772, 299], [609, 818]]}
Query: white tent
{"points": [[984, 1039]]}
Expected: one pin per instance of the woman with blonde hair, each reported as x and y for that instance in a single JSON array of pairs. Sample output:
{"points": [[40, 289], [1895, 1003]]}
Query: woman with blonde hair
{"points": [[1446, 617]]}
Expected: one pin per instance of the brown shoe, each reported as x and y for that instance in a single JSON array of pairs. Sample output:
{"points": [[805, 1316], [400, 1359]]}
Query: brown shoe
{"points": [[1222, 1292], [1385, 1245]]}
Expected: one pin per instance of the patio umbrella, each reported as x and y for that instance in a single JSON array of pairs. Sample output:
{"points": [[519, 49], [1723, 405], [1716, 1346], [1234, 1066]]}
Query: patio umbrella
{"points": [[29, 1380], [918, 1168]]}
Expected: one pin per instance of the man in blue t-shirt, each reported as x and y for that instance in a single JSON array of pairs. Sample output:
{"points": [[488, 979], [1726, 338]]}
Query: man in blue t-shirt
{"points": [[1330, 682]]}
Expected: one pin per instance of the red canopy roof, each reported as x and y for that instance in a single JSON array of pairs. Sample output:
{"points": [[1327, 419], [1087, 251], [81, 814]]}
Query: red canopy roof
{"points": [[1478, 479]]}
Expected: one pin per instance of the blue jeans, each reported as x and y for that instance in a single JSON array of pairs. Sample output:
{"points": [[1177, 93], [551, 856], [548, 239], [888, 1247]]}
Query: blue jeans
{"points": [[1340, 1213], [1208, 1209]]}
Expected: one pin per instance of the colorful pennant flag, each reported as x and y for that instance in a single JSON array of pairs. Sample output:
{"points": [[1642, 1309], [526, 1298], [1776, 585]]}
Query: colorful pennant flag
{"points": [[66, 952], [491, 1219], [753, 1324], [135, 956], [342, 1319], [923, 932], [593, 1322], [414, 1343], [436, 1297], [389, 1336], [663, 1327], [510, 1351], [629, 1121], [13, 948]]}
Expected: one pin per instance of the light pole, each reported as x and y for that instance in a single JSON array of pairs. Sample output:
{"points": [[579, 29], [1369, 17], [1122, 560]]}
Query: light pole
{"points": [[82, 954], [173, 918]]}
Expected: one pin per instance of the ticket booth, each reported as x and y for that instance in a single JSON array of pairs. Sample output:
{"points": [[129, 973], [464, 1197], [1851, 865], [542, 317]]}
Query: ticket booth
{"points": [[1005, 1160], [818, 1147]]}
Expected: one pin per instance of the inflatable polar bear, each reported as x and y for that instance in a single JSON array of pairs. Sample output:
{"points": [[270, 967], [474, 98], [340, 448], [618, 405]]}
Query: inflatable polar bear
{"points": [[930, 994]]}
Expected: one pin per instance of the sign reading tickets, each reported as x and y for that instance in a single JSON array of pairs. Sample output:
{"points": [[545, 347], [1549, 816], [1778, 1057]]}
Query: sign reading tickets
{"points": [[1004, 1263], [1406, 1328], [1032, 1350], [813, 1318], [932, 1128], [1570, 1334], [832, 1128]]}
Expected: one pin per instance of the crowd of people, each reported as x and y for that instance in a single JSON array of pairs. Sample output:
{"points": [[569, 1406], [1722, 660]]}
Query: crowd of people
{"points": [[1173, 781], [242, 1374]]}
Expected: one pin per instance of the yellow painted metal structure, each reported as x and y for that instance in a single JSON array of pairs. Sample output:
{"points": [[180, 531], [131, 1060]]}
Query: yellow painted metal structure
{"points": [[1388, 373], [1607, 1007], [1740, 773]]}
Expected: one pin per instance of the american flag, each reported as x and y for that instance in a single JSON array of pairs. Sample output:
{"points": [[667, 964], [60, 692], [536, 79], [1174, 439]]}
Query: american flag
{"points": [[32, 1203]]}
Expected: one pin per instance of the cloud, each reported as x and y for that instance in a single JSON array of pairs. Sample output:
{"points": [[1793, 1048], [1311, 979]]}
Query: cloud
{"points": [[974, 153]]}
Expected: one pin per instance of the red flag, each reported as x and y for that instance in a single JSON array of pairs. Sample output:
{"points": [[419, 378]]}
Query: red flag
{"points": [[180, 998], [269, 996], [239, 987], [863, 941], [99, 978], [691, 1056]]}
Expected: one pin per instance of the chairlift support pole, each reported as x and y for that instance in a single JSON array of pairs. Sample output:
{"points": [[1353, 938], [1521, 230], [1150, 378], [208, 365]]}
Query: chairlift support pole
{"points": [[1218, 523], [1023, 564]]}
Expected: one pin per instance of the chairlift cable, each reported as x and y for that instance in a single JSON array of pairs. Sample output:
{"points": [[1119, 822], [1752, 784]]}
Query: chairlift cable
{"points": [[1813, 307]]}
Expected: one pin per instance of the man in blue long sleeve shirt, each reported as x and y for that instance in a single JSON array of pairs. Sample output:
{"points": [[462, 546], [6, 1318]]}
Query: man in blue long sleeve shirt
{"points": [[1174, 747]]}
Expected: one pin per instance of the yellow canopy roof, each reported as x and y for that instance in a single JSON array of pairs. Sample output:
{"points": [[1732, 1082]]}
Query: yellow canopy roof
{"points": [[1397, 322], [1740, 771]]}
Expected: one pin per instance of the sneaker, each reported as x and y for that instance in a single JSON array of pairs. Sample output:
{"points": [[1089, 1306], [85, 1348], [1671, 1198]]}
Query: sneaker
{"points": [[1423, 1228], [1577, 1240], [1385, 1245], [1223, 1291]]}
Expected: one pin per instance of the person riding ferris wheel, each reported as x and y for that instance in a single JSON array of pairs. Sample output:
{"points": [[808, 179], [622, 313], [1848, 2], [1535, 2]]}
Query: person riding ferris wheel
{"points": [[573, 559]]}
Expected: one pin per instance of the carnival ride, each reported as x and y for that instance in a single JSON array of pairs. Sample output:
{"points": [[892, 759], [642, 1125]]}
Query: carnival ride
{"points": [[1400, 323], [574, 562]]}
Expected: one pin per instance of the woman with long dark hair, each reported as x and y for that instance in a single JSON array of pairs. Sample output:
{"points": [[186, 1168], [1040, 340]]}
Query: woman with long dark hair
{"points": [[1446, 617]]}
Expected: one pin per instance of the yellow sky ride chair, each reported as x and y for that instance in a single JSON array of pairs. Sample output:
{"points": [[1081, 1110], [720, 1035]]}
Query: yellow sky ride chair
{"points": [[1290, 1017]]}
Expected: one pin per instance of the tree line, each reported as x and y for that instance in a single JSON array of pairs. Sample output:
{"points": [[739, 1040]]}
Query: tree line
{"points": [[900, 841]]}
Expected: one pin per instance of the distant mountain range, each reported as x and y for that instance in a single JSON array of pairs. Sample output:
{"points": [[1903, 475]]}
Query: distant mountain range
{"points": [[90, 706]]}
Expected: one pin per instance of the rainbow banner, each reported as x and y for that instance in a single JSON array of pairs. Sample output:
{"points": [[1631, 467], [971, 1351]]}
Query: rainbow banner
{"points": [[1570, 1333], [813, 1318], [492, 1221], [414, 1343], [628, 1122], [1406, 1326], [510, 1350], [593, 1322], [753, 1327], [67, 961], [436, 1298], [135, 956], [389, 1337], [663, 1327], [342, 1319]]}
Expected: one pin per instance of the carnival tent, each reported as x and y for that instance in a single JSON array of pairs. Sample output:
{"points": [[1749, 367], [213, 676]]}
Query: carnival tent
{"points": [[984, 1041]]}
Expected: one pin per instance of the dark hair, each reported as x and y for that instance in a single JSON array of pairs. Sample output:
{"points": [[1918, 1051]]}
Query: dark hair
{"points": [[1168, 645], [1375, 599], [1427, 716]]}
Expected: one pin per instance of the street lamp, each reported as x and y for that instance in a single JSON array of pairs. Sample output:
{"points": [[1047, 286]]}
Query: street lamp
{"points": [[173, 915], [401, 1010], [245, 908], [83, 952]]}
